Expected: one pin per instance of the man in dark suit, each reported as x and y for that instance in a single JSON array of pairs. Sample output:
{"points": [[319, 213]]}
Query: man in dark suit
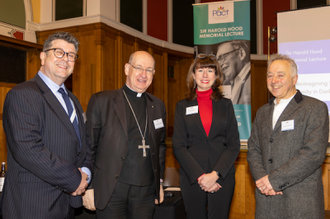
{"points": [[49, 159], [127, 129], [287, 147]]}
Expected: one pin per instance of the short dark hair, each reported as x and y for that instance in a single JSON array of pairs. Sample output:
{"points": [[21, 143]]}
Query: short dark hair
{"points": [[61, 35], [205, 62]]}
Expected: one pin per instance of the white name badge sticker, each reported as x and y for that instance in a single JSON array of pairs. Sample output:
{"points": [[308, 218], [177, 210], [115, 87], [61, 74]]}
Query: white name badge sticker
{"points": [[287, 125], [158, 123], [191, 110]]}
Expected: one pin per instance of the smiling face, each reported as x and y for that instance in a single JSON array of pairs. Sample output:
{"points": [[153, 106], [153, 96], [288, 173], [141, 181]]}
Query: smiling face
{"points": [[139, 81], [280, 81], [204, 78], [57, 69], [231, 62]]}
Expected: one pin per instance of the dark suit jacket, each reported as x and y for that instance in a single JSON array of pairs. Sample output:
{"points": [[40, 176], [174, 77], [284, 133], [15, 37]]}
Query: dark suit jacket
{"points": [[42, 156], [198, 153], [292, 159], [107, 126]]}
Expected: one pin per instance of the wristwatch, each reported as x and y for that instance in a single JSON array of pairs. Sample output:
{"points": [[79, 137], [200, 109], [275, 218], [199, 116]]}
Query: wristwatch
{"points": [[219, 175]]}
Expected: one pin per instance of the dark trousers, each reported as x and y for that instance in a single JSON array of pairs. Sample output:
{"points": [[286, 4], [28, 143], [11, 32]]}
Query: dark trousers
{"points": [[203, 205], [70, 213], [130, 202]]}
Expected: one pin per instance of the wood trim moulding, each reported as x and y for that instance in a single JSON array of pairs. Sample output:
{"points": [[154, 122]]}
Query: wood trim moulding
{"points": [[126, 37], [73, 22], [19, 43], [4, 84]]}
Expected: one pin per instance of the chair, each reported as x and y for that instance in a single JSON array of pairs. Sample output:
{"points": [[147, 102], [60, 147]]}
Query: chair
{"points": [[172, 207]]}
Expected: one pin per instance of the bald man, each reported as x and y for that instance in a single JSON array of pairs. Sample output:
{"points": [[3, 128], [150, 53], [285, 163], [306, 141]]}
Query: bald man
{"points": [[127, 129]]}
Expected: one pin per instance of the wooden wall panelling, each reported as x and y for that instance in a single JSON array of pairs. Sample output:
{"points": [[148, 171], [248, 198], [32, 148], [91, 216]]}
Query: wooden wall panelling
{"points": [[326, 182], [176, 86], [259, 92], [127, 47], [159, 83], [143, 45], [173, 91], [33, 62], [4, 89], [238, 206], [170, 160], [184, 68], [249, 191], [111, 60], [86, 74]]}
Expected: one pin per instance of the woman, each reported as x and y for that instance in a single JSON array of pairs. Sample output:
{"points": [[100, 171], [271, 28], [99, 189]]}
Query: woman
{"points": [[206, 142]]}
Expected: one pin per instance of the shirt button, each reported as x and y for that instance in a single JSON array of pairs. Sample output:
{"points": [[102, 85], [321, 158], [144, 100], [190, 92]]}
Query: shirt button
{"points": [[116, 176]]}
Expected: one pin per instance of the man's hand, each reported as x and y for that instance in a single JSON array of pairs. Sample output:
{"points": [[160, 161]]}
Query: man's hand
{"points": [[208, 182], [161, 195], [83, 184], [265, 187], [88, 199]]}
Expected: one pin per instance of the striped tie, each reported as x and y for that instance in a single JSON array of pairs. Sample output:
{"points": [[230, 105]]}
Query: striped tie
{"points": [[70, 110]]}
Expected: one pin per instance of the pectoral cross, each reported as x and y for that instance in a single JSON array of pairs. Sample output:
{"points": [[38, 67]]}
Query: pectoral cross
{"points": [[144, 146]]}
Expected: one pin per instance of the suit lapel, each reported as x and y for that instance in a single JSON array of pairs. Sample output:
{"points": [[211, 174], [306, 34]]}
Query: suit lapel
{"points": [[268, 117], [119, 106], [55, 105], [290, 108], [196, 119], [150, 108]]}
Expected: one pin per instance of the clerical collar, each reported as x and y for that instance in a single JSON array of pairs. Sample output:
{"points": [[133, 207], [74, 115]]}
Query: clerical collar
{"points": [[131, 92]]}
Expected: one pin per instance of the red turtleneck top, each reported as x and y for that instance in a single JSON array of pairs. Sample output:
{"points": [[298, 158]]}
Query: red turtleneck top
{"points": [[205, 108]]}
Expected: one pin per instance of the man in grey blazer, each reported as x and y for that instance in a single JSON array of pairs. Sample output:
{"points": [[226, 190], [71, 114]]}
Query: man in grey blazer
{"points": [[49, 159], [127, 129], [287, 147]]}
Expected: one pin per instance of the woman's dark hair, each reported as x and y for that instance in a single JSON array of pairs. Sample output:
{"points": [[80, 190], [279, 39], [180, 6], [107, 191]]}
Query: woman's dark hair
{"points": [[204, 61]]}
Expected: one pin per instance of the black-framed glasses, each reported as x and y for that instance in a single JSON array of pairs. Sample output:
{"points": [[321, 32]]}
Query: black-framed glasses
{"points": [[140, 70], [224, 56], [203, 56], [59, 53]]}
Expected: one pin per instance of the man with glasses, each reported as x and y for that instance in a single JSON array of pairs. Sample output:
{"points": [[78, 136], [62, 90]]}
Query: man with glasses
{"points": [[234, 59], [49, 159], [127, 129]]}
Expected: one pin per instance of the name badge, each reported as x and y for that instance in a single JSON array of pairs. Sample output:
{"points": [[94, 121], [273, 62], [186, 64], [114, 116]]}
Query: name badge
{"points": [[158, 123], [287, 125], [191, 110]]}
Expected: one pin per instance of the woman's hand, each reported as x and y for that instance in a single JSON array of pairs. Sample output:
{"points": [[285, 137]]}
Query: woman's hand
{"points": [[208, 182]]}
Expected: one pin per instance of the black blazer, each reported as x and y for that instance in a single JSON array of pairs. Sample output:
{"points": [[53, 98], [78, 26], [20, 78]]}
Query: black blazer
{"points": [[107, 126], [198, 153], [43, 153]]}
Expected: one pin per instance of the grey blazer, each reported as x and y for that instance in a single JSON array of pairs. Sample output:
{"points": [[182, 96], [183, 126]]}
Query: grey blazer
{"points": [[292, 159]]}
